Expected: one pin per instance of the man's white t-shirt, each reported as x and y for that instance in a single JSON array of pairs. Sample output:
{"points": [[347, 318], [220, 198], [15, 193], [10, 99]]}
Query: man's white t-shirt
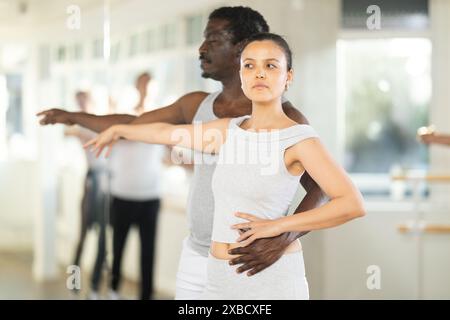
{"points": [[135, 169]]}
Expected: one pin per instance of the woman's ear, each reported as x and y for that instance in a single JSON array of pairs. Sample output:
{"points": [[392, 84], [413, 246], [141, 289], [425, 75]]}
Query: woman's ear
{"points": [[290, 76]]}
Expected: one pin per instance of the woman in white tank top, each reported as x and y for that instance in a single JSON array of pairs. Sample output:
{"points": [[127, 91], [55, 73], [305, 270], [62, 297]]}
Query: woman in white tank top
{"points": [[261, 159]]}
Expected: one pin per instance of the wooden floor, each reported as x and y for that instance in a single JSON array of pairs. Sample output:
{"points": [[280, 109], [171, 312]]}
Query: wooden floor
{"points": [[16, 282]]}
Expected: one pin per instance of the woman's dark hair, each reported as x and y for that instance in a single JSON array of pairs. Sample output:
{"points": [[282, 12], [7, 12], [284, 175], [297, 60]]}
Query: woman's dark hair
{"points": [[279, 40], [243, 21]]}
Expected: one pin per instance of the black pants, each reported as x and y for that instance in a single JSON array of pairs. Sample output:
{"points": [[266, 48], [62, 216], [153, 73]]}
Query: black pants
{"points": [[93, 214], [144, 214]]}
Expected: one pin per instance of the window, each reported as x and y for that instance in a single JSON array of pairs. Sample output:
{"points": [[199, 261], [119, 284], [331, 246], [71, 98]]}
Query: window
{"points": [[194, 25], [14, 84], [385, 92], [133, 49], [115, 52], [77, 53], [60, 54], [150, 41], [168, 36], [97, 47]]}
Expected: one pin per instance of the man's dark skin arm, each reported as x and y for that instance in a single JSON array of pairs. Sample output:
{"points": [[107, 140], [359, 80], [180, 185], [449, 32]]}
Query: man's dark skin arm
{"points": [[180, 112], [262, 253]]}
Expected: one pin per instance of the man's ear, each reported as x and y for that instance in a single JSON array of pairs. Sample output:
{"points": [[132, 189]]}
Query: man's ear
{"points": [[238, 48]]}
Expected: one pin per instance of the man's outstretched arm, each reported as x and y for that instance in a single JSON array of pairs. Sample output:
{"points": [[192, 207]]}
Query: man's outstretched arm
{"points": [[86, 120], [180, 112]]}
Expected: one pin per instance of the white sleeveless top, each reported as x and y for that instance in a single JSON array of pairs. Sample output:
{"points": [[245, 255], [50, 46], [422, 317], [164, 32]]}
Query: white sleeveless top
{"points": [[200, 204], [251, 176]]}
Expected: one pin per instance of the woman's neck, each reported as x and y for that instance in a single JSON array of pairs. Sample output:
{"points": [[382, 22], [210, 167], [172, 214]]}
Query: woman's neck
{"points": [[267, 115]]}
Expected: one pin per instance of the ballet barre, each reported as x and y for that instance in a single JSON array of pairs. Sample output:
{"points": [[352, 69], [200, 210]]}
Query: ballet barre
{"points": [[424, 228], [417, 227], [422, 178]]}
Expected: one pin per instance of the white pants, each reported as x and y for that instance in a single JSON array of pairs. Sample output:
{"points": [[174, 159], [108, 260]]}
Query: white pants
{"points": [[191, 275], [283, 280]]}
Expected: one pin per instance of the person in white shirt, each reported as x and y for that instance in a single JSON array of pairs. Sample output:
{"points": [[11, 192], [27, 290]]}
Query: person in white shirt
{"points": [[135, 176]]}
